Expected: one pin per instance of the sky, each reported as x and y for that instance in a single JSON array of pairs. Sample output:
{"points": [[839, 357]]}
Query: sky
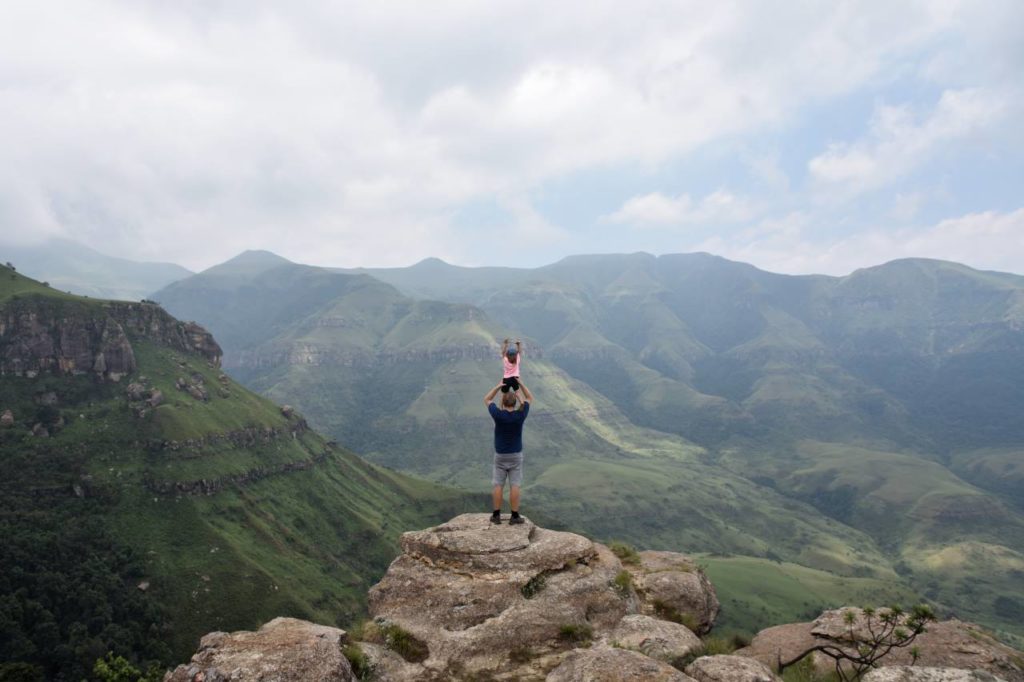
{"points": [[802, 137]]}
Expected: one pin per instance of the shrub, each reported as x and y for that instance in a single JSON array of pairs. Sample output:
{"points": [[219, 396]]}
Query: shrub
{"points": [[886, 629], [622, 583], [403, 643], [533, 586], [626, 553], [358, 660], [576, 634]]}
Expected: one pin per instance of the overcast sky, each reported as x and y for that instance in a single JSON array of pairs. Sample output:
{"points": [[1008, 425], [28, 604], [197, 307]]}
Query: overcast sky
{"points": [[801, 137]]}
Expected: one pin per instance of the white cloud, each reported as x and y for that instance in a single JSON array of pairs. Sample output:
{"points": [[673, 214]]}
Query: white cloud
{"points": [[896, 143], [350, 133], [656, 209], [987, 240]]}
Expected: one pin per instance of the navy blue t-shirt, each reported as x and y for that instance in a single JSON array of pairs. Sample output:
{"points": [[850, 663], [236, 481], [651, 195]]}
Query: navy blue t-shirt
{"points": [[508, 428]]}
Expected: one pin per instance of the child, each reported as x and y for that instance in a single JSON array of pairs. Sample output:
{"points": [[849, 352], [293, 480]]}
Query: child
{"points": [[510, 358]]}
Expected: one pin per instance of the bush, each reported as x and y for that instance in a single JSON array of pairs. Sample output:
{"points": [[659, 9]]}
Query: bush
{"points": [[358, 660], [623, 583], [627, 553], [533, 586], [576, 634], [403, 643]]}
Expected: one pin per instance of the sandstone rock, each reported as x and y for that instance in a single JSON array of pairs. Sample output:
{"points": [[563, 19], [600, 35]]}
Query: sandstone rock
{"points": [[198, 392], [729, 669], [156, 398], [7, 418], [946, 644], [671, 586], [608, 664], [40, 431], [285, 650], [287, 410], [902, 673], [656, 638], [474, 592], [387, 666], [135, 392]]}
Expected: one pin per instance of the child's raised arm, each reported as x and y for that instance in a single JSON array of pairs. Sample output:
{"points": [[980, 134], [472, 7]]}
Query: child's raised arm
{"points": [[519, 349], [504, 348]]}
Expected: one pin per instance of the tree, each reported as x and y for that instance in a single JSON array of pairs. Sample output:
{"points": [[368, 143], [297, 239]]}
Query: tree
{"points": [[881, 632]]}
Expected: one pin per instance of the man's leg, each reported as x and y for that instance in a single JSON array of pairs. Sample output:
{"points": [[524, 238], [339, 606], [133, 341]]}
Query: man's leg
{"points": [[497, 495], [513, 498]]}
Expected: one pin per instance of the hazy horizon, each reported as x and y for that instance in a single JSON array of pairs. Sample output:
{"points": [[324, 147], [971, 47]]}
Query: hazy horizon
{"points": [[801, 140]]}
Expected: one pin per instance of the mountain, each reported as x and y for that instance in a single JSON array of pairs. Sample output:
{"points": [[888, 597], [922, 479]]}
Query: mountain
{"points": [[147, 498], [70, 266], [860, 425]]}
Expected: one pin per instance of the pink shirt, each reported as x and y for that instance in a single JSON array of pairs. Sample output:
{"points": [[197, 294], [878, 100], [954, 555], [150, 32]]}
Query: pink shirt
{"points": [[511, 368]]}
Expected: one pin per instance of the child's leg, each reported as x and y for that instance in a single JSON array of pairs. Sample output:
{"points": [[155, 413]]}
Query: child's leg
{"points": [[513, 382]]}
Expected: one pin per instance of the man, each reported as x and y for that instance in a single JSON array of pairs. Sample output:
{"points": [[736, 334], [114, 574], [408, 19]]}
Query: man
{"points": [[508, 447]]}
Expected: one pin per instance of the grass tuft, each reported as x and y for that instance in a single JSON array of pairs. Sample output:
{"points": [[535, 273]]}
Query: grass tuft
{"points": [[622, 583], [361, 667], [627, 553], [577, 635], [533, 586]]}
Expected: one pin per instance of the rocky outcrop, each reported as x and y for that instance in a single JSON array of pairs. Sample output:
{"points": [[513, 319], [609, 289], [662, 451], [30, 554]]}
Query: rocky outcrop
{"points": [[660, 639], [44, 334], [7, 418], [672, 587], [284, 650], [730, 669], [609, 664], [479, 595], [946, 644], [905, 673]]}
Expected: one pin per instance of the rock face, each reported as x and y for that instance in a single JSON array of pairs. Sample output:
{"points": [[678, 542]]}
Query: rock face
{"points": [[730, 669], [660, 639], [284, 650], [7, 418], [904, 673], [41, 334], [946, 644], [607, 664], [673, 587], [525, 603]]}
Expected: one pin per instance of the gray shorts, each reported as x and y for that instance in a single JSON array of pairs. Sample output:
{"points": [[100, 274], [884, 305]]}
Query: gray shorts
{"points": [[508, 467]]}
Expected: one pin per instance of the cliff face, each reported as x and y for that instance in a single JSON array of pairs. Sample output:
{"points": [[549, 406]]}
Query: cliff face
{"points": [[40, 334]]}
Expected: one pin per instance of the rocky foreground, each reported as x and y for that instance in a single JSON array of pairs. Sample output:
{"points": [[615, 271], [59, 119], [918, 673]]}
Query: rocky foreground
{"points": [[471, 601]]}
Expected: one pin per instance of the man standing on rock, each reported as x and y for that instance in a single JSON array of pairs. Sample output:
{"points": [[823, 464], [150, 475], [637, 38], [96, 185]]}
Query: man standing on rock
{"points": [[508, 447]]}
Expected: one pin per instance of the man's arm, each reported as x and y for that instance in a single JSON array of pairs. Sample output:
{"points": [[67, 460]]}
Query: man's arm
{"points": [[527, 396], [490, 394], [504, 348]]}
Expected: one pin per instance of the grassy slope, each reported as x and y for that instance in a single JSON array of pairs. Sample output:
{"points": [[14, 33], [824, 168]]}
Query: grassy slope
{"points": [[306, 543]]}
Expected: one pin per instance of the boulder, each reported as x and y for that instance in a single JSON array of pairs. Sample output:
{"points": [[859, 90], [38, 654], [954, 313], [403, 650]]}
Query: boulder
{"points": [[946, 644], [198, 392], [7, 418], [661, 639], [135, 391], [284, 650], [49, 399], [482, 596], [287, 410], [730, 669], [671, 586], [156, 398], [906, 673], [609, 664], [40, 431]]}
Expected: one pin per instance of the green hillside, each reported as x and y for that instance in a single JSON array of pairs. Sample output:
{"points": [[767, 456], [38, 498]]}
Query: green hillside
{"points": [[198, 514], [860, 425]]}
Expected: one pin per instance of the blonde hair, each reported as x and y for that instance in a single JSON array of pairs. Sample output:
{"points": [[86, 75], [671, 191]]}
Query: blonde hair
{"points": [[509, 399]]}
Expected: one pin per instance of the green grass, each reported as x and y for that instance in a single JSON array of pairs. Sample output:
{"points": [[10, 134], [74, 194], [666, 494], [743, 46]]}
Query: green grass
{"points": [[757, 593], [622, 583], [576, 634]]}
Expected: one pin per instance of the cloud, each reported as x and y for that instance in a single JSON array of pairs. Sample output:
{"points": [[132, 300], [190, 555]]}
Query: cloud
{"points": [[351, 133], [896, 143], [655, 209], [988, 240]]}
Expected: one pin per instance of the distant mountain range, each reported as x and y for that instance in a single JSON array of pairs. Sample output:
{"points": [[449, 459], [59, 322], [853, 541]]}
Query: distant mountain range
{"points": [[78, 269], [866, 426]]}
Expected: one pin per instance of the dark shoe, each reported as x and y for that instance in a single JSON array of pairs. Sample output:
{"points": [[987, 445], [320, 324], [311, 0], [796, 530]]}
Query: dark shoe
{"points": [[496, 518], [515, 520]]}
